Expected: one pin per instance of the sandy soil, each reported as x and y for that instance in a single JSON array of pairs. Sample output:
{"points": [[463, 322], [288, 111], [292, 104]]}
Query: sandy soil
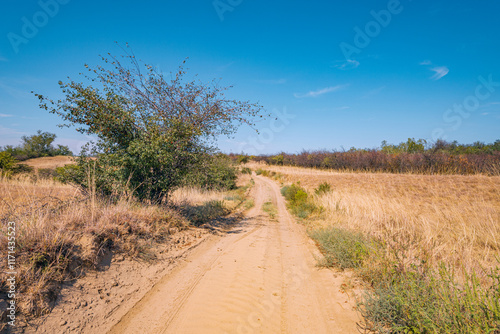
{"points": [[260, 276]]}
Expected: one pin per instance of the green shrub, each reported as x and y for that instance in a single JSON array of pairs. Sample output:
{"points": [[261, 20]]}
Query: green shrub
{"points": [[22, 168], [289, 191], [425, 301], [242, 159], [299, 202], [323, 188], [246, 170], [46, 173], [271, 209], [342, 248], [7, 162], [212, 172]]}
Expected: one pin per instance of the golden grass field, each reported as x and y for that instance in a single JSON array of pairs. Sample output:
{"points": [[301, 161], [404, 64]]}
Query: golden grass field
{"points": [[451, 219], [49, 162]]}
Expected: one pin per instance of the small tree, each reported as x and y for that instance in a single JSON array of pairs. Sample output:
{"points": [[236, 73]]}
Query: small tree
{"points": [[150, 129], [39, 145]]}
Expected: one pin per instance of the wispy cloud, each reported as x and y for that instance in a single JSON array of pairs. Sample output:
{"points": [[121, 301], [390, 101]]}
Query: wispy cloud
{"points": [[425, 62], [320, 92], [441, 71], [273, 82], [3, 59], [8, 132], [348, 65], [373, 92], [5, 115]]}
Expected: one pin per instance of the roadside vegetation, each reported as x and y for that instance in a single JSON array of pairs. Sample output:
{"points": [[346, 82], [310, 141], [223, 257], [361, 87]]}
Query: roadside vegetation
{"points": [[152, 173], [412, 156], [425, 247]]}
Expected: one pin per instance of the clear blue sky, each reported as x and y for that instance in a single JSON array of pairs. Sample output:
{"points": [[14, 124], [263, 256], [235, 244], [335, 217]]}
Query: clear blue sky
{"points": [[351, 73]]}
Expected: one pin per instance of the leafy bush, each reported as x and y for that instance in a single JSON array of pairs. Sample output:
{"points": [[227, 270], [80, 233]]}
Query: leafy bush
{"points": [[298, 201], [341, 247], [153, 131], [246, 170], [7, 162], [22, 168], [212, 172], [243, 159], [46, 173]]}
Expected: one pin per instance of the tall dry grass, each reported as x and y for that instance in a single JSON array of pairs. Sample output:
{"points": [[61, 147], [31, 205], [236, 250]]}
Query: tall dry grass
{"points": [[61, 233], [452, 219]]}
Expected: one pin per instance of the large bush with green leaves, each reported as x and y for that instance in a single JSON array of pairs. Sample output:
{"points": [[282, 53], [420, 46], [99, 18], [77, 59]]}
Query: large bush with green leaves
{"points": [[7, 162], [212, 171], [152, 130]]}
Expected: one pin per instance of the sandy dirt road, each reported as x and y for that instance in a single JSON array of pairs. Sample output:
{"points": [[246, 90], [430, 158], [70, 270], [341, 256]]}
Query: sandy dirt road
{"points": [[261, 277]]}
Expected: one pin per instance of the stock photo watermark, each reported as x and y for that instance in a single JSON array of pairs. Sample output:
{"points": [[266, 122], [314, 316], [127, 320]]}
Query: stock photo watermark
{"points": [[11, 273], [372, 29], [223, 6], [30, 26], [453, 117], [256, 144]]}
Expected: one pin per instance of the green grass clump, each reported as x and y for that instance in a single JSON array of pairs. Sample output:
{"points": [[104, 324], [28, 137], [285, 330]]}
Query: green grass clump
{"points": [[299, 202], [271, 209], [341, 248], [414, 298], [246, 170], [426, 301], [323, 188]]}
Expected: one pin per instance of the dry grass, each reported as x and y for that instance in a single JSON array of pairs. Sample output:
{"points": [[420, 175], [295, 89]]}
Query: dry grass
{"points": [[451, 219], [195, 196], [60, 233], [49, 162]]}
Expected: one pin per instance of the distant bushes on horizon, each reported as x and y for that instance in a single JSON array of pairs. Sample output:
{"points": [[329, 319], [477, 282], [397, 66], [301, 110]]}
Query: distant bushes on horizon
{"points": [[413, 156]]}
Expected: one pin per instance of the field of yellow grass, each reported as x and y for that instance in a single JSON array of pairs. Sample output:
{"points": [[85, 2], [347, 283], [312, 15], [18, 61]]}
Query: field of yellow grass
{"points": [[49, 162], [450, 219]]}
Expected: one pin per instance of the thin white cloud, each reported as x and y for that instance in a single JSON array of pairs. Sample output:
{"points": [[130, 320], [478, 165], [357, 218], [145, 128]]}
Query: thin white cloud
{"points": [[348, 65], [425, 62], [320, 92], [5, 115], [441, 71]]}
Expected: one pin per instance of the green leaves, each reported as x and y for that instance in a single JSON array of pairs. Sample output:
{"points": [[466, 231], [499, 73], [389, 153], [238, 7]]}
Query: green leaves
{"points": [[152, 130]]}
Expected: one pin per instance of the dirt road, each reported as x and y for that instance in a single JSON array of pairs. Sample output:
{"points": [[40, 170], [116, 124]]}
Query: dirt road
{"points": [[259, 278]]}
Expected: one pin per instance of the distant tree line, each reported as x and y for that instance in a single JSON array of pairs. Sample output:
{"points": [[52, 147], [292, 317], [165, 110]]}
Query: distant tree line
{"points": [[412, 156], [36, 146]]}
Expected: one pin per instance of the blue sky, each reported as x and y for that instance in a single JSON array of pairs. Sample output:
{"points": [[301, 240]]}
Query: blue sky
{"points": [[335, 73]]}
